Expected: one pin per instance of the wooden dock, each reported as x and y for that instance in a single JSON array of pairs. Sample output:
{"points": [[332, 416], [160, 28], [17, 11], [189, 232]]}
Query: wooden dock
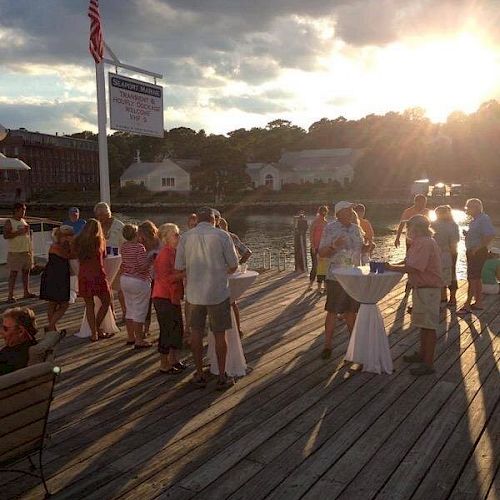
{"points": [[295, 427]]}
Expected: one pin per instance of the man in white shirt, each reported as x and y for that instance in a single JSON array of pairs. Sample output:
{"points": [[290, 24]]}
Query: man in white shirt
{"points": [[208, 256]]}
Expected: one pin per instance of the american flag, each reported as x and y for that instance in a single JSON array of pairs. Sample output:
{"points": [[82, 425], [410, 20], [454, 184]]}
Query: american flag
{"points": [[96, 43]]}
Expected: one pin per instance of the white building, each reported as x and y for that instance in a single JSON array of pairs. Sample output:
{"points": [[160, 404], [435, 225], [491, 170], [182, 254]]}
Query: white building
{"points": [[167, 175], [299, 167]]}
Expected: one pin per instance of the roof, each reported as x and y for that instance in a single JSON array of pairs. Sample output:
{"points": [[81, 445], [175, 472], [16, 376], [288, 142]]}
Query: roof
{"points": [[319, 159], [143, 169]]}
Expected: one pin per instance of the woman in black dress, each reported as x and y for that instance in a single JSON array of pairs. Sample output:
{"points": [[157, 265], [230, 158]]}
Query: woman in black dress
{"points": [[55, 280]]}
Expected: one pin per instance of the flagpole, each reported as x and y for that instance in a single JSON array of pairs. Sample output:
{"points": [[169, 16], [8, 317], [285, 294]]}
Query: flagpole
{"points": [[102, 133]]}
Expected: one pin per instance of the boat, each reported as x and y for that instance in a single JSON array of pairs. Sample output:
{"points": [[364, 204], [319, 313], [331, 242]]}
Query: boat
{"points": [[41, 236]]}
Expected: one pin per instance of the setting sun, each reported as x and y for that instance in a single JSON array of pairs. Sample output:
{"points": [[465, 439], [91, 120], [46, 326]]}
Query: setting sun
{"points": [[441, 75]]}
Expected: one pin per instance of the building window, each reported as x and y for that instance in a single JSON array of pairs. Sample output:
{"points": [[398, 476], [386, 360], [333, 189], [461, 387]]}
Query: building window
{"points": [[269, 181], [168, 181]]}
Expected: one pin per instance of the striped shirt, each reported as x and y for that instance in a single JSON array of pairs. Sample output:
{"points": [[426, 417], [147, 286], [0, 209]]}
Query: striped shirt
{"points": [[135, 261]]}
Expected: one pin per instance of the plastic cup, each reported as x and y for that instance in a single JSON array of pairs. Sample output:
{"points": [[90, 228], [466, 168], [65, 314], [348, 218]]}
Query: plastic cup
{"points": [[373, 266], [243, 268], [115, 251], [380, 267], [108, 250]]}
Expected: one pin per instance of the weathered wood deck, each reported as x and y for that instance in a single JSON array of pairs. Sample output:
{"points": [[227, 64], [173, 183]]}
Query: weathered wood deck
{"points": [[295, 427]]}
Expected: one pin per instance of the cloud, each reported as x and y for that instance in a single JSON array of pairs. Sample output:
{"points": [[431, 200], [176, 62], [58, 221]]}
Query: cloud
{"points": [[258, 104]]}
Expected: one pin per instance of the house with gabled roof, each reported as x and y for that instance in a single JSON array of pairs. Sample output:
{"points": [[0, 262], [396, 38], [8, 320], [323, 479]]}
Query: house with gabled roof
{"points": [[306, 166], [170, 174]]}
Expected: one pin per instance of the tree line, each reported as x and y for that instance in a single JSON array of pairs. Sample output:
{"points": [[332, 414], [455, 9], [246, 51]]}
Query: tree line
{"points": [[397, 148]]}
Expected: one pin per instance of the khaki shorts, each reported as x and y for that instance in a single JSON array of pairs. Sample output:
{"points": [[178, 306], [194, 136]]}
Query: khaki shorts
{"points": [[19, 261], [425, 312], [219, 316]]}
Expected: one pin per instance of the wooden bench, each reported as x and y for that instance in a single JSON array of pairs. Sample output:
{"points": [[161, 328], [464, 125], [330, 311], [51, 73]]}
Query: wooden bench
{"points": [[25, 398]]}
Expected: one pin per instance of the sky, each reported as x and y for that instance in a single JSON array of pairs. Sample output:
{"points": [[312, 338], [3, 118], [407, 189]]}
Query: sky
{"points": [[230, 64]]}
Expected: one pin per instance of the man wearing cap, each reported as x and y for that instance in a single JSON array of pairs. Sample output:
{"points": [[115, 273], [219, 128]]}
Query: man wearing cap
{"points": [[74, 220], [341, 241], [208, 256]]}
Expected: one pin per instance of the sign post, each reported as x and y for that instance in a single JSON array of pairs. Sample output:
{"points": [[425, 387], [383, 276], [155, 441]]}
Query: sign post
{"points": [[104, 187]]}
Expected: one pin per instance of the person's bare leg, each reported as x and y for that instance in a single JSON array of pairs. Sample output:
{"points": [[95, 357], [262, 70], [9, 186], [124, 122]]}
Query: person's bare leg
{"points": [[121, 299], [90, 315], [58, 314], [197, 350], [51, 309], [444, 297], [427, 346], [139, 334], [350, 319], [130, 330], [103, 310], [477, 292], [164, 364], [12, 284], [221, 351], [330, 321], [470, 293], [236, 311], [26, 282]]}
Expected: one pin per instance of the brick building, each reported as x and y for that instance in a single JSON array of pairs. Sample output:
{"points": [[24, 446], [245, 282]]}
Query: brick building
{"points": [[56, 161]]}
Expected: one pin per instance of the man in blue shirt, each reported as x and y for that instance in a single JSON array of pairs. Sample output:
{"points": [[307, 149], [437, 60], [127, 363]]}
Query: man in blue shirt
{"points": [[74, 220]]}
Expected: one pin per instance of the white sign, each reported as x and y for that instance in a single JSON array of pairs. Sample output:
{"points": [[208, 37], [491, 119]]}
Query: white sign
{"points": [[135, 106]]}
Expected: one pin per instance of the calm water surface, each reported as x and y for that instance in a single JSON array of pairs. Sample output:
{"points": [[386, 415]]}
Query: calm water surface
{"points": [[275, 232]]}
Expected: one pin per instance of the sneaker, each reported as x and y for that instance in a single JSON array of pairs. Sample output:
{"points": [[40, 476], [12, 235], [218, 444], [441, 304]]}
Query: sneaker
{"points": [[412, 358], [422, 369]]}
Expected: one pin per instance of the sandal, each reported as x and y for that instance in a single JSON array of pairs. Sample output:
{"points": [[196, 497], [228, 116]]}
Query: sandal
{"points": [[224, 384], [180, 366], [103, 335], [171, 371], [142, 346], [463, 311], [199, 382]]}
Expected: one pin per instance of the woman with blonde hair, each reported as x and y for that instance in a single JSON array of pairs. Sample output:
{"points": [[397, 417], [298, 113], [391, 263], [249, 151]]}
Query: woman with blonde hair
{"points": [[90, 248], [55, 279], [135, 282], [168, 291], [447, 236], [148, 236]]}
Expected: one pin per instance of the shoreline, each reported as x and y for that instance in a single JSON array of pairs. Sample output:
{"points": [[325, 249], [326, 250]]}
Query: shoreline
{"points": [[278, 206]]}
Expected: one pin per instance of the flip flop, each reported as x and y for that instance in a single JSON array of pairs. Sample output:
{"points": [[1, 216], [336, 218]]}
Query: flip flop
{"points": [[171, 371], [106, 335], [180, 366]]}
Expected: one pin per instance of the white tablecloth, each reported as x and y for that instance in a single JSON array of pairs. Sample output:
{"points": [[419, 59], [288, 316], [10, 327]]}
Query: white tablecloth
{"points": [[111, 267], [368, 344], [236, 364]]}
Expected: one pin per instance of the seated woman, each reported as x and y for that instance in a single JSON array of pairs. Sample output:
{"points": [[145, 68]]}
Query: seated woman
{"points": [[490, 274], [18, 330], [55, 280]]}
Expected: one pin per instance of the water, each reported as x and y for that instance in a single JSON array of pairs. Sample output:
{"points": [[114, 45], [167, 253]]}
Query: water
{"points": [[275, 232]]}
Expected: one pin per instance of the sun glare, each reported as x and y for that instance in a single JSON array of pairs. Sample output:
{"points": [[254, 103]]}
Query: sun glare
{"points": [[442, 75]]}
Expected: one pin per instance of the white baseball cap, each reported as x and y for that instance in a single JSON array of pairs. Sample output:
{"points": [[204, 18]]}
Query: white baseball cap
{"points": [[341, 205]]}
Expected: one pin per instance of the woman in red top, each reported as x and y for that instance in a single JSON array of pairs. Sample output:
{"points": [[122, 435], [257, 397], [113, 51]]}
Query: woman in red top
{"points": [[167, 294], [90, 248]]}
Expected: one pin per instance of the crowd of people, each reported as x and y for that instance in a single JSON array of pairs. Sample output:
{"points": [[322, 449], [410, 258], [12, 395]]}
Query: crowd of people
{"points": [[160, 268], [430, 263]]}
